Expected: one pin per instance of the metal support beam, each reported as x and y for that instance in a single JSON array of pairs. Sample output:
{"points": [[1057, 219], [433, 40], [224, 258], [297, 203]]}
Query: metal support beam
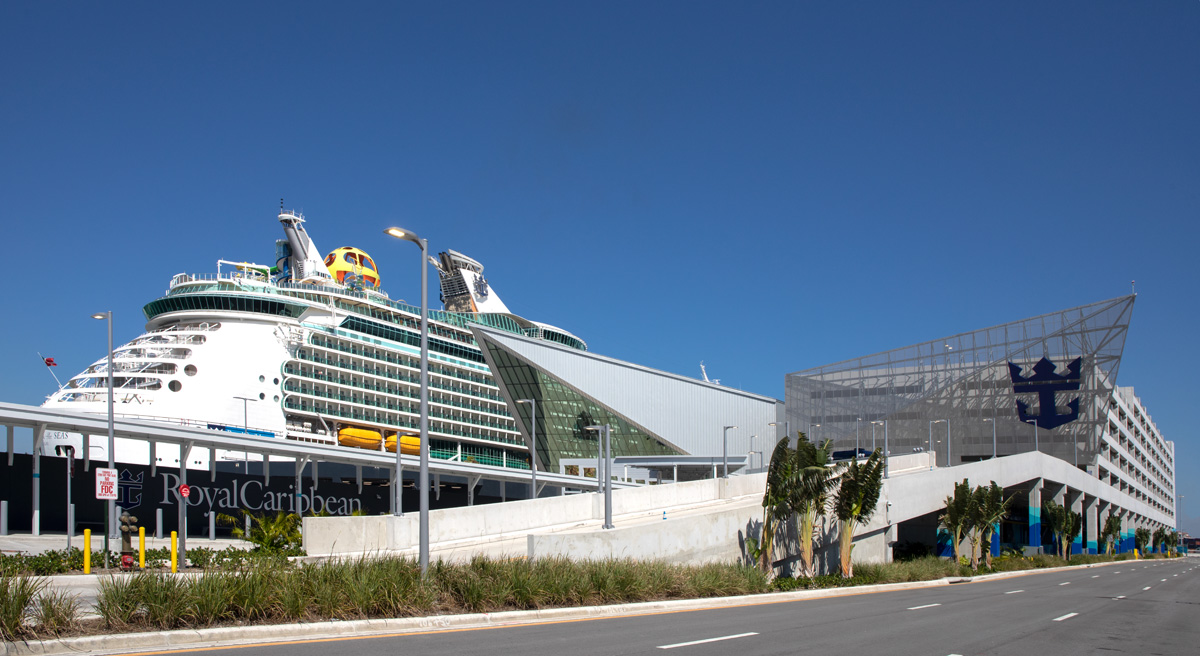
{"points": [[212, 465], [358, 477], [185, 452], [153, 458], [11, 428]]}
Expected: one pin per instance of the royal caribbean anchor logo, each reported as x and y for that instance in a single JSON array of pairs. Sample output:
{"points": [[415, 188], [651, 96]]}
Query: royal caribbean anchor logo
{"points": [[1047, 384]]}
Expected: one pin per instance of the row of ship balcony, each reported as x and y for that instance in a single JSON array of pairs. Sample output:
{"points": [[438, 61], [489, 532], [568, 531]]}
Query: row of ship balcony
{"points": [[366, 383], [367, 402], [303, 354], [445, 450], [400, 361]]}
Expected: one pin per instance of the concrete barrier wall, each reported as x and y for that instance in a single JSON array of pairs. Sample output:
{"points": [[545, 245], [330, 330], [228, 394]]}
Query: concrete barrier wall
{"points": [[692, 539], [353, 535]]}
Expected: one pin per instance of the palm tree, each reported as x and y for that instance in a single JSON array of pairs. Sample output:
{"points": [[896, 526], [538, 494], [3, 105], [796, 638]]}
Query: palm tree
{"points": [[957, 517], [993, 507], [1159, 539], [1141, 538], [1072, 526], [775, 507], [1111, 533], [814, 476], [1054, 517], [855, 503]]}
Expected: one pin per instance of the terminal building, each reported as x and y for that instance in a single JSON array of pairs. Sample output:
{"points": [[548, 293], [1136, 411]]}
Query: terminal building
{"points": [[1044, 385]]}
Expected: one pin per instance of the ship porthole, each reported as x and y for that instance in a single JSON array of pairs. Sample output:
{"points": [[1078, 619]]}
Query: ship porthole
{"points": [[277, 398], [190, 370], [262, 379], [276, 381], [261, 396], [174, 386]]}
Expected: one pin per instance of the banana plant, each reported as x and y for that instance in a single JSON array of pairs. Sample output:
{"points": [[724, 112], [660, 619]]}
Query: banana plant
{"points": [[856, 500], [814, 477], [957, 517], [993, 508], [776, 511], [1111, 533]]}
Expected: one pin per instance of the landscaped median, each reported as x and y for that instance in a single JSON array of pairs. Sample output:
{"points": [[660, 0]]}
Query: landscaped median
{"points": [[273, 600]]}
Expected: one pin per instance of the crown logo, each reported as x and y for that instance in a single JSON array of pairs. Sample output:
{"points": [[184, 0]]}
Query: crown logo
{"points": [[481, 287], [1046, 383]]}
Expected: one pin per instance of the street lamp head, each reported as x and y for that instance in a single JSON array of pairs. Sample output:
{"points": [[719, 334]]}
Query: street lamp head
{"points": [[524, 400], [728, 427], [102, 315], [406, 235], [989, 419]]}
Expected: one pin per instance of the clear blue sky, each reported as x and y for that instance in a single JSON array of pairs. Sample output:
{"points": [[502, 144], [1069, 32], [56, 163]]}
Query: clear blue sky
{"points": [[764, 186]]}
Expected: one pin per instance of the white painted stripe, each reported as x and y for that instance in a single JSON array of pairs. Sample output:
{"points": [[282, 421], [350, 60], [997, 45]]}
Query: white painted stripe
{"points": [[1164, 580], [1096, 576], [1065, 617], [925, 606], [1145, 588], [1065, 583], [700, 642], [1120, 597], [1014, 591]]}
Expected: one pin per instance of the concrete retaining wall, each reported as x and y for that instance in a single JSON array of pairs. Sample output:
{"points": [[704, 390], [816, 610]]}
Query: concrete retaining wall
{"points": [[356, 535]]}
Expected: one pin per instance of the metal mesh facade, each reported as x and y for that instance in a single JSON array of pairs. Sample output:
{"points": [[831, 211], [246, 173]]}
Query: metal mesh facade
{"points": [[1041, 382]]}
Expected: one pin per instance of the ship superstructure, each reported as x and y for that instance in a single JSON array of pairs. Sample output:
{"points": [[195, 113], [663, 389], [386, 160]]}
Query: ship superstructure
{"points": [[312, 349]]}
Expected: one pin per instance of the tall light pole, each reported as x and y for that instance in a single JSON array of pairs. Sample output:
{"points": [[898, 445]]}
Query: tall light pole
{"points": [[532, 446], [725, 451], [604, 436], [857, 430], [1035, 433], [110, 517], [993, 421], [873, 425], [408, 235], [931, 462]]}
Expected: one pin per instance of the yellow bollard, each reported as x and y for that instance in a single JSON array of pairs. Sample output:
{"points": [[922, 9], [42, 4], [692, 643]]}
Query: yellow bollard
{"points": [[87, 551], [142, 547], [174, 553]]}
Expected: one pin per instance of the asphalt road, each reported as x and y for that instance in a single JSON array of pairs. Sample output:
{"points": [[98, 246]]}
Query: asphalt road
{"points": [[1142, 607]]}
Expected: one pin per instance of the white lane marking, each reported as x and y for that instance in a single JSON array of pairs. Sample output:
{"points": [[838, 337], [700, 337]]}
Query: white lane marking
{"points": [[700, 642], [1164, 580], [1014, 591], [1096, 576], [1066, 583], [1174, 575], [1065, 617], [1120, 597], [1145, 588], [925, 606]]}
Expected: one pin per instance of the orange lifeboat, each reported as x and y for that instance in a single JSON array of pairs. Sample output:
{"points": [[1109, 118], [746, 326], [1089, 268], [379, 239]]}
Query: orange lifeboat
{"points": [[410, 445]]}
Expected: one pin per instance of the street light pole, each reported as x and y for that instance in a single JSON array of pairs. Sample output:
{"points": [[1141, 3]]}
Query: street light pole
{"points": [[109, 518], [931, 462], [532, 446], [604, 436], [725, 451], [424, 469], [993, 436], [857, 430]]}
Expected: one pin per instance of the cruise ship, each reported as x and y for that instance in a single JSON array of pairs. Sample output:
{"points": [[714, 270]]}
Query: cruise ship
{"points": [[310, 348]]}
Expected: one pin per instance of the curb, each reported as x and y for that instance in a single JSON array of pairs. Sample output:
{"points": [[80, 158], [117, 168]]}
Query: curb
{"points": [[235, 635]]}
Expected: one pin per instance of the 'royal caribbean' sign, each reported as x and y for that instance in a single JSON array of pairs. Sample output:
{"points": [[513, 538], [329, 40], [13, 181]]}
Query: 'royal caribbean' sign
{"points": [[1046, 383]]}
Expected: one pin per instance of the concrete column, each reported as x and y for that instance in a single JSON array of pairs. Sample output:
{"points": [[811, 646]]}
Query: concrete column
{"points": [[1035, 514], [11, 437], [1103, 509], [39, 433], [1076, 500], [1092, 531]]}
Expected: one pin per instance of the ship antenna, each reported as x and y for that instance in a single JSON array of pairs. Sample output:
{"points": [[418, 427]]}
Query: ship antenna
{"points": [[281, 206]]}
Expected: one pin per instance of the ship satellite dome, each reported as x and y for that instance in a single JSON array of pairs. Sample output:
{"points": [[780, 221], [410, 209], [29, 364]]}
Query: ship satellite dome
{"points": [[352, 266]]}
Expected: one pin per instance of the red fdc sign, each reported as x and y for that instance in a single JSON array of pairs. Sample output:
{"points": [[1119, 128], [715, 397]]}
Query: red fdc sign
{"points": [[106, 483], [185, 491]]}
